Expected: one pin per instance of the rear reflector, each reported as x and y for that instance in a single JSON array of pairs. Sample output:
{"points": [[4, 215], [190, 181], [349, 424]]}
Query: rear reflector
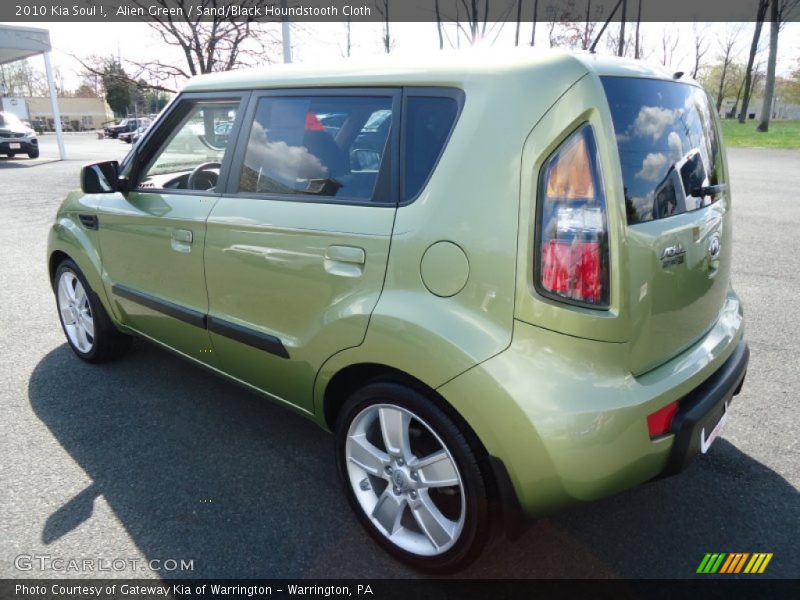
{"points": [[660, 421]]}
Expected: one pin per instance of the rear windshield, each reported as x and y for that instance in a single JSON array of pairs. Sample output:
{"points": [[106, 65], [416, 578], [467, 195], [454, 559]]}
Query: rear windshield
{"points": [[668, 146]]}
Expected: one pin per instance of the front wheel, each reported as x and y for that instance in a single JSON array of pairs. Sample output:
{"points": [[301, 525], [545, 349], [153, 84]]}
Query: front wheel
{"points": [[89, 330], [33, 153], [416, 483]]}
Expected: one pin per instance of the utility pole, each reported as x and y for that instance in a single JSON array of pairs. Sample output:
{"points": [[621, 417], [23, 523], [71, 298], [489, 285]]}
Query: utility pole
{"points": [[286, 33]]}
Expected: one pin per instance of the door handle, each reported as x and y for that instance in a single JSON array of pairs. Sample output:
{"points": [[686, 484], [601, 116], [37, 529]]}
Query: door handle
{"points": [[345, 261], [182, 235], [181, 240], [346, 254]]}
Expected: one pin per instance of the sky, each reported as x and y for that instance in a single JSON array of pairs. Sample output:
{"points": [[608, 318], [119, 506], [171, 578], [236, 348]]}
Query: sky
{"points": [[325, 42]]}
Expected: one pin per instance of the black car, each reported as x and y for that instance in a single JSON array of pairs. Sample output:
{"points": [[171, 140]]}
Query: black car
{"points": [[16, 137]]}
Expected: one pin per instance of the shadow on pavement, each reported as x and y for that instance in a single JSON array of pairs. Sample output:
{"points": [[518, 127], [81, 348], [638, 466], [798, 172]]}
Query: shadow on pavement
{"points": [[198, 469], [23, 163]]}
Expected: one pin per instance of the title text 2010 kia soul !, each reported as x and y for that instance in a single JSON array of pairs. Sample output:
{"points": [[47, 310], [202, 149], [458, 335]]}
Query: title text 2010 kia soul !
{"points": [[503, 282]]}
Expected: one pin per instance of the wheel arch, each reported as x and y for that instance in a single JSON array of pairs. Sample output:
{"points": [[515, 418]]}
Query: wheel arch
{"points": [[346, 381], [68, 240]]}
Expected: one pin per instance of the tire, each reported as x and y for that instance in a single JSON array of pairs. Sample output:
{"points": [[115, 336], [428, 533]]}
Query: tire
{"points": [[33, 153], [11, 154], [434, 518], [88, 328]]}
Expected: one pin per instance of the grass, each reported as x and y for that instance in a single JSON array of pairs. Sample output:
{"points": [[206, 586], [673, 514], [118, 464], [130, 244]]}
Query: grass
{"points": [[781, 134]]}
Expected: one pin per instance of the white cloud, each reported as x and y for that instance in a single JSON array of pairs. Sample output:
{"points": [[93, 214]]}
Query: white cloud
{"points": [[675, 146], [653, 120], [652, 167]]}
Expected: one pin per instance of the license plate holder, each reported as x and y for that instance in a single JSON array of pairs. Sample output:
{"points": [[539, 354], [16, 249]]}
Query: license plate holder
{"points": [[14, 146], [706, 441]]}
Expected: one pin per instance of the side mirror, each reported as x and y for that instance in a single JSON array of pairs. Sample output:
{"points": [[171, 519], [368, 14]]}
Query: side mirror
{"points": [[100, 177]]}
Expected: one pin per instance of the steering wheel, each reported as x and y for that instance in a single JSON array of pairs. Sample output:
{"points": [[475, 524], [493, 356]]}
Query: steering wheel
{"points": [[204, 169]]}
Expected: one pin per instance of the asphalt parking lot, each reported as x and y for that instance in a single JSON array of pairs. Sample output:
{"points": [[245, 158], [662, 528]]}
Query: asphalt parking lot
{"points": [[153, 458]]}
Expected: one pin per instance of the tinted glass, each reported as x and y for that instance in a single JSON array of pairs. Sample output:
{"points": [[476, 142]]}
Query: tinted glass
{"points": [[428, 124], [668, 146], [200, 139], [323, 146]]}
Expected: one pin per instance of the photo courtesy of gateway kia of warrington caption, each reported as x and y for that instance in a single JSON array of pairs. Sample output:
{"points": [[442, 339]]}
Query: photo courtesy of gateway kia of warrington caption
{"points": [[178, 589]]}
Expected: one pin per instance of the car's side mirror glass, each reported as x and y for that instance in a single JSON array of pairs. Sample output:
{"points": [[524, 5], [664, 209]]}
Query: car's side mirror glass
{"points": [[100, 177]]}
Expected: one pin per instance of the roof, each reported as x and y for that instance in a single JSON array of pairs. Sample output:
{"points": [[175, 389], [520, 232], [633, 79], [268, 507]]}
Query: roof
{"points": [[17, 43], [449, 68]]}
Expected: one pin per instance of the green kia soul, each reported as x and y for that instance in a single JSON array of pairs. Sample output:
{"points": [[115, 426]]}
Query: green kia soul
{"points": [[502, 281]]}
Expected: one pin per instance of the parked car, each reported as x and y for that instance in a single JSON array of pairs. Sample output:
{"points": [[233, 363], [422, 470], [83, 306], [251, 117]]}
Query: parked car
{"points": [[124, 126], [489, 316], [130, 137], [16, 137]]}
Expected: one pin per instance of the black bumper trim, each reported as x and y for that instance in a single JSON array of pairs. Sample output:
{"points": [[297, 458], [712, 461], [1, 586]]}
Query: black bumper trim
{"points": [[703, 407], [512, 519]]}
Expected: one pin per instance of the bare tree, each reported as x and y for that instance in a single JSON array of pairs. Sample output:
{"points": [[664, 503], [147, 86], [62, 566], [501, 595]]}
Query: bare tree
{"points": [[22, 79], [382, 6], [621, 41], [214, 44], [535, 18], [700, 48], [348, 45], [769, 85], [636, 52], [748, 76], [727, 44], [669, 44], [780, 13], [439, 25], [519, 21]]}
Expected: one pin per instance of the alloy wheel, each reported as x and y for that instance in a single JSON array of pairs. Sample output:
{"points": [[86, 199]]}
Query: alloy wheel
{"points": [[75, 311], [405, 479]]}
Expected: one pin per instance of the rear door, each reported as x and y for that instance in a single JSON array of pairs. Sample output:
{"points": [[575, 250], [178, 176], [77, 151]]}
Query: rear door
{"points": [[296, 249], [152, 237], [678, 241]]}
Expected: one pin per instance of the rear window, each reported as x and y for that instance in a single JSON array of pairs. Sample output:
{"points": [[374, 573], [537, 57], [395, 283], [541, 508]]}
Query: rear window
{"points": [[668, 145], [429, 121]]}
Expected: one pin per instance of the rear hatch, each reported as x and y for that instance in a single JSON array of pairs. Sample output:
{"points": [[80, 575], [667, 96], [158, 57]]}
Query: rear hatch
{"points": [[678, 241]]}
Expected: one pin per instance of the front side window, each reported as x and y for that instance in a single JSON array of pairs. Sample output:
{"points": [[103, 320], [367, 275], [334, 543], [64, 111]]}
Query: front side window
{"points": [[668, 145], [191, 157], [329, 146]]}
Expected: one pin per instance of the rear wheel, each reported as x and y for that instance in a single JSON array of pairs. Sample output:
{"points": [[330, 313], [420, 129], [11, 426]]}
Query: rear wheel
{"points": [[416, 483], [90, 332]]}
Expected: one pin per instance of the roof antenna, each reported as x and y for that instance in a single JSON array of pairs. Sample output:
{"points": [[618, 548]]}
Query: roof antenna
{"points": [[603, 29]]}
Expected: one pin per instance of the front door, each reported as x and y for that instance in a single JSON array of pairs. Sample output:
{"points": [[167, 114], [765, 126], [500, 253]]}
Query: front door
{"points": [[296, 250], [152, 237]]}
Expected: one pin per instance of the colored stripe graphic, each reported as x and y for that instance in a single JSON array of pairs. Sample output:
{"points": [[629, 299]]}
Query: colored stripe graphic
{"points": [[711, 563], [734, 562]]}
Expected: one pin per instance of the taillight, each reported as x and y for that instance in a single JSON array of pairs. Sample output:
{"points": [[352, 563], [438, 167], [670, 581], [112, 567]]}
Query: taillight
{"points": [[572, 237], [659, 422]]}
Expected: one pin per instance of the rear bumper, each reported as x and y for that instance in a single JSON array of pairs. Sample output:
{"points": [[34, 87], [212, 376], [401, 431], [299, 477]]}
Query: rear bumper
{"points": [[700, 410], [569, 421]]}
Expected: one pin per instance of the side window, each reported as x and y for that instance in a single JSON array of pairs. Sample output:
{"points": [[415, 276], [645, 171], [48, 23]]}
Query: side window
{"points": [[331, 146], [427, 127], [190, 158]]}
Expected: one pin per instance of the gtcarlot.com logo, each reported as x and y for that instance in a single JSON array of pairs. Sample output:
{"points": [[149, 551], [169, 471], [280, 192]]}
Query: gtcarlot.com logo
{"points": [[734, 562], [48, 562]]}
